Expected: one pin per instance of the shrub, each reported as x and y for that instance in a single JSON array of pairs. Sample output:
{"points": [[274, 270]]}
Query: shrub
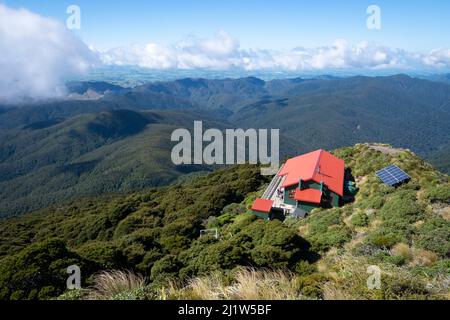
{"points": [[311, 285], [121, 211], [106, 254], [134, 253], [74, 294], [333, 237], [39, 271], [360, 219], [402, 286], [375, 202], [434, 235], [439, 193], [438, 268], [304, 268], [384, 237], [165, 268], [149, 260], [174, 244], [402, 207], [270, 256], [395, 260]]}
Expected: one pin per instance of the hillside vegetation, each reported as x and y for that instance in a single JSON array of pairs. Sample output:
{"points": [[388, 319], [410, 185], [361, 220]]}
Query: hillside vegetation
{"points": [[155, 235], [89, 155]]}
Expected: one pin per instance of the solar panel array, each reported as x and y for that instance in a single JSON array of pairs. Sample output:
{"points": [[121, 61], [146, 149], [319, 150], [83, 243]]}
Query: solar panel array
{"points": [[392, 175]]}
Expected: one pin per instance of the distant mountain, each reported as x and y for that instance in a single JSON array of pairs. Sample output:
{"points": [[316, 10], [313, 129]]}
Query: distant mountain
{"points": [[23, 115], [441, 158], [327, 111], [81, 87], [211, 94], [404, 111], [438, 77]]}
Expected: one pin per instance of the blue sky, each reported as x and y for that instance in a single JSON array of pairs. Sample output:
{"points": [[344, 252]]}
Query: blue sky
{"points": [[411, 25]]}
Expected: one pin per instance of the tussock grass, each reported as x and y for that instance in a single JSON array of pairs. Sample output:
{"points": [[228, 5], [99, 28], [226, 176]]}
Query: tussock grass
{"points": [[248, 284], [264, 285], [423, 258], [402, 250], [115, 284], [350, 282]]}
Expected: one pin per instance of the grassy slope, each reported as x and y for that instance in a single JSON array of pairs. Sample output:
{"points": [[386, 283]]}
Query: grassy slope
{"points": [[404, 231]]}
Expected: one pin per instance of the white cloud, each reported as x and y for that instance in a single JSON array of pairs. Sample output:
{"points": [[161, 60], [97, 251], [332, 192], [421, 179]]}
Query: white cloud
{"points": [[224, 52], [36, 54], [220, 52], [439, 58]]}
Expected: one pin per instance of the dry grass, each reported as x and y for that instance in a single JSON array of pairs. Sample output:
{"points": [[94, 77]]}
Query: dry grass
{"points": [[263, 285], [385, 149], [303, 230], [208, 288], [376, 223], [248, 284], [442, 210], [423, 258], [349, 278], [418, 224], [351, 274], [359, 238], [402, 250], [109, 285]]}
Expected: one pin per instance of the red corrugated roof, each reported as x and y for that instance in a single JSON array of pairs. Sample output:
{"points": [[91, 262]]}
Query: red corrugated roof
{"points": [[262, 205], [308, 195], [319, 166]]}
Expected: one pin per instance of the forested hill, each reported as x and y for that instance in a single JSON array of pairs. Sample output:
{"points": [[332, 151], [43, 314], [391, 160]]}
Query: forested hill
{"points": [[404, 231]]}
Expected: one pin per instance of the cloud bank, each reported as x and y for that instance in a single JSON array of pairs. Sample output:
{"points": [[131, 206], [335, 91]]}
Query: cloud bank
{"points": [[36, 54], [224, 52]]}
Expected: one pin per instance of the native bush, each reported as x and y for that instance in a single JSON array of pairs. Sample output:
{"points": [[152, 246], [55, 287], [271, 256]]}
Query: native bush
{"points": [[165, 268], [39, 271], [384, 237], [402, 206], [107, 255], [360, 219], [434, 235], [439, 193]]}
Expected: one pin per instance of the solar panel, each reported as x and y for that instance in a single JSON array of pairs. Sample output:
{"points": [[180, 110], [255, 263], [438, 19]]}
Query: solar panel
{"points": [[392, 175]]}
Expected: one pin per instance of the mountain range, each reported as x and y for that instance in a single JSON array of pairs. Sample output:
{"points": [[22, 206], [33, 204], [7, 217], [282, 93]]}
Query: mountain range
{"points": [[104, 138]]}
